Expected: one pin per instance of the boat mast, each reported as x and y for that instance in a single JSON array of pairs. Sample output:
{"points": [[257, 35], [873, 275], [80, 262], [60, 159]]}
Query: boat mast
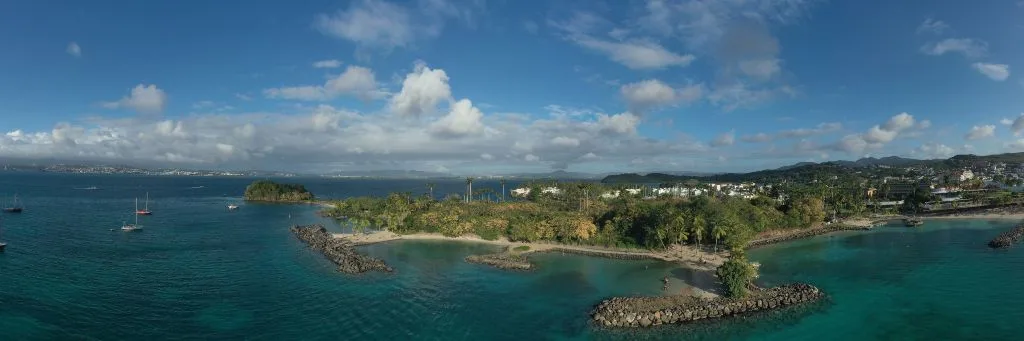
{"points": [[136, 209], [147, 201]]}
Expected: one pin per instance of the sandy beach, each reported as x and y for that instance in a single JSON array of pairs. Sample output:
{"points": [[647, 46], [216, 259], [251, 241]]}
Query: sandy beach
{"points": [[688, 256]]}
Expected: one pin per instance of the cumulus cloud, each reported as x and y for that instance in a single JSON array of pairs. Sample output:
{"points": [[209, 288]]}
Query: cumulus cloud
{"points": [[563, 141], [147, 99], [422, 90], [756, 138], [463, 119], [327, 64], [966, 46], [878, 135], [980, 132], [356, 81], [996, 72], [821, 128], [74, 50], [649, 94]]}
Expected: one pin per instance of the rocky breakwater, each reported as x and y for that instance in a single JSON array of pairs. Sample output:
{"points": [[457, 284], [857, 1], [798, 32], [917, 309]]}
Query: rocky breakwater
{"points": [[805, 234], [339, 251], [504, 260], [1008, 238], [606, 254], [653, 311]]}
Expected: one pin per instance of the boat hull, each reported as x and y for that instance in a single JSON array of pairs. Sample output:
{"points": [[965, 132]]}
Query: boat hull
{"points": [[2, 246], [143, 212], [13, 210]]}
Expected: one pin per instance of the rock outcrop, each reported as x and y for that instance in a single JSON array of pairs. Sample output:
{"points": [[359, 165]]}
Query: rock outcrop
{"points": [[504, 261], [338, 251], [653, 311], [805, 234], [1008, 238]]}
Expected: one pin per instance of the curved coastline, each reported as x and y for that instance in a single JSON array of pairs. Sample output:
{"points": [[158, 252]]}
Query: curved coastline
{"points": [[338, 251]]}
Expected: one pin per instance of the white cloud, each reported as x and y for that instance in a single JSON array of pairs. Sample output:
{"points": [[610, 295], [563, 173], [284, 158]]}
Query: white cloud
{"points": [[966, 46], [980, 132], [563, 141], [756, 138], [650, 94], [327, 64], [936, 151], [622, 124], [725, 139], [931, 25], [422, 90], [243, 97], [381, 25], [761, 69], [356, 81], [464, 119], [531, 158], [1018, 125], [923, 125], [878, 135], [1017, 145], [821, 128], [74, 50], [589, 156], [1006, 121], [633, 53], [996, 72], [146, 99]]}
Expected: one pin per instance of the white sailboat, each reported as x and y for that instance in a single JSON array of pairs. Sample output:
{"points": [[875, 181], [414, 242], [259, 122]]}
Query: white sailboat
{"points": [[144, 211], [133, 227]]}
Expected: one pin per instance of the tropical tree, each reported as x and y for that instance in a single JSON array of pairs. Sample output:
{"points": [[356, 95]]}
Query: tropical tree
{"points": [[699, 226], [469, 189]]}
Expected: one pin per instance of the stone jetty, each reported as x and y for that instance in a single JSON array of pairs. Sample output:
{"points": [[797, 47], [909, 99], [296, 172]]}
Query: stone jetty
{"points": [[339, 251], [657, 310], [503, 260], [805, 234], [1008, 238]]}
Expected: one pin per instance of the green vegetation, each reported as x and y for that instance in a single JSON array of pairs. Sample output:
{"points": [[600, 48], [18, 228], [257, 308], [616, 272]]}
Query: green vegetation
{"points": [[736, 275], [578, 215], [266, 190], [521, 248]]}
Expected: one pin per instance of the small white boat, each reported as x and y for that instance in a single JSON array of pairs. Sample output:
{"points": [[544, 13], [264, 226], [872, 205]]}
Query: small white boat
{"points": [[232, 207], [2, 244]]}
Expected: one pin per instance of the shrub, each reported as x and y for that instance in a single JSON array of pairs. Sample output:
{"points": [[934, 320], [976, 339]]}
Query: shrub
{"points": [[521, 248]]}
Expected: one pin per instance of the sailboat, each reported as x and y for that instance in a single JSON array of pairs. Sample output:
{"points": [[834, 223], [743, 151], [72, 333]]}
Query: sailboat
{"points": [[2, 244], [133, 227], [144, 211], [15, 206]]}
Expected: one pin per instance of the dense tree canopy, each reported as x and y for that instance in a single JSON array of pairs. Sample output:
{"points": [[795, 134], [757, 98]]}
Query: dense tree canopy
{"points": [[266, 190], [578, 215]]}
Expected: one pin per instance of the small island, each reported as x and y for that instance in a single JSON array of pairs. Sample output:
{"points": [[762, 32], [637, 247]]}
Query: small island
{"points": [[269, 191]]}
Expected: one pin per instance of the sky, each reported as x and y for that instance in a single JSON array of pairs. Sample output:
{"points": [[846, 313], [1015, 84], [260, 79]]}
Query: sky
{"points": [[501, 86]]}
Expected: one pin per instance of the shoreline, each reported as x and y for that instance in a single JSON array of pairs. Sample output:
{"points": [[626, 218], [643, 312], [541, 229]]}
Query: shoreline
{"points": [[688, 256]]}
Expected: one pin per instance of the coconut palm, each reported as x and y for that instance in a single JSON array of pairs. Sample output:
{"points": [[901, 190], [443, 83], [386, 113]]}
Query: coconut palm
{"points": [[469, 189]]}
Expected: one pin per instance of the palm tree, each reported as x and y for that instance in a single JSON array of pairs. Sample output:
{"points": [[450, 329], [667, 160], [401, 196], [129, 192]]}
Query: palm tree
{"points": [[718, 232], [469, 189], [699, 226], [430, 187], [502, 190]]}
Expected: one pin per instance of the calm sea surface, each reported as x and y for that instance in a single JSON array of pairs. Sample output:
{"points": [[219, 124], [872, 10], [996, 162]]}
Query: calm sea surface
{"points": [[198, 271]]}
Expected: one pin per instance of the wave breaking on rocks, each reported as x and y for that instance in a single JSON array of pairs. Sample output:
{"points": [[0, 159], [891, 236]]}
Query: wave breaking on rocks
{"points": [[338, 251], [652, 311]]}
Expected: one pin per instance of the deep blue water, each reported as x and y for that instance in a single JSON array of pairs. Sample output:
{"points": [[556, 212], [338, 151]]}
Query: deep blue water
{"points": [[198, 271]]}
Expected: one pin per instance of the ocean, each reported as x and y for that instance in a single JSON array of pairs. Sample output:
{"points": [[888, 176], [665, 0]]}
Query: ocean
{"points": [[198, 271]]}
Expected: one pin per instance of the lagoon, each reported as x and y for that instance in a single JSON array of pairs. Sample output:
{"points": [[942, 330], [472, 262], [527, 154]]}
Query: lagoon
{"points": [[199, 271]]}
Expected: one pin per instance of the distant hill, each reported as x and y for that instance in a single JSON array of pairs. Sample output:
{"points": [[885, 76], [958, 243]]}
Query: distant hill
{"points": [[803, 169]]}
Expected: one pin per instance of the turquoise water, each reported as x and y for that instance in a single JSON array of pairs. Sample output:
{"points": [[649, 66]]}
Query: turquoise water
{"points": [[198, 271]]}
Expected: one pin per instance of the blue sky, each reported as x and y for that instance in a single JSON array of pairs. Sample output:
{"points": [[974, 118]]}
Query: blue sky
{"points": [[481, 87]]}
